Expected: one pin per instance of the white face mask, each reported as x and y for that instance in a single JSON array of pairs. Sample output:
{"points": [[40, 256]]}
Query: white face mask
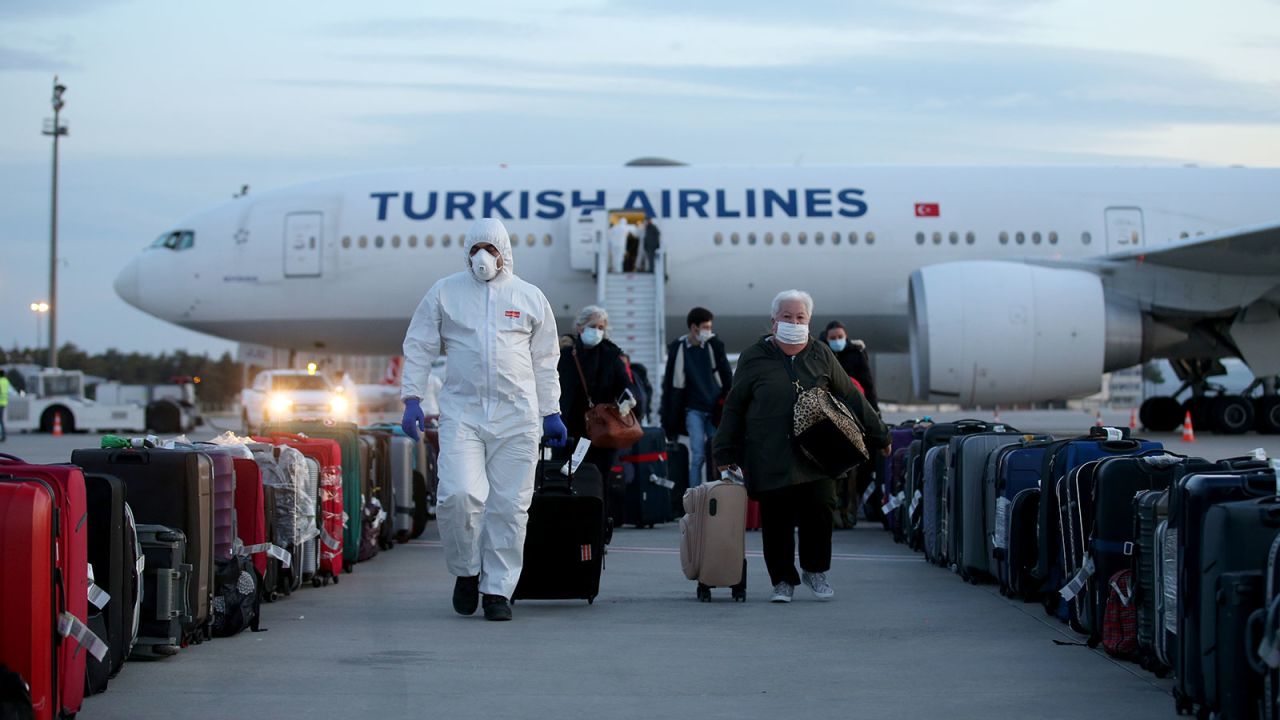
{"points": [[484, 266], [591, 336], [791, 333], [705, 335]]}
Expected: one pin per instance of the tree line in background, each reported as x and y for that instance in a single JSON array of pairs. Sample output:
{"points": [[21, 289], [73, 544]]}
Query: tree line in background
{"points": [[220, 379]]}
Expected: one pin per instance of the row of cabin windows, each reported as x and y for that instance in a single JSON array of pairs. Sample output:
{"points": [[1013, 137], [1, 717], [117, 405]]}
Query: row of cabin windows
{"points": [[1019, 238], [801, 238], [429, 241]]}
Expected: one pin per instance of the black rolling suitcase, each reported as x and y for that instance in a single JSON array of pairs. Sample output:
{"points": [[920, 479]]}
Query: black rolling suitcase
{"points": [[1235, 550], [646, 470], [173, 488], [1190, 500], [113, 566], [564, 540], [166, 612]]}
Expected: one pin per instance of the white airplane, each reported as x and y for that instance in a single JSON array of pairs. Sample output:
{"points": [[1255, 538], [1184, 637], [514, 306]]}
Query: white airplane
{"points": [[1004, 285]]}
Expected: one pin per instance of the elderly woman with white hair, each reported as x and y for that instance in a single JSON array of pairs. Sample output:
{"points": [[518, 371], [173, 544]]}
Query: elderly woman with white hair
{"points": [[756, 435], [603, 371]]}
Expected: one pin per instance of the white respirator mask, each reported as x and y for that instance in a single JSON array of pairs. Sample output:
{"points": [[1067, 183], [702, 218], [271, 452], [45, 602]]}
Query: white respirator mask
{"points": [[792, 334], [484, 266]]}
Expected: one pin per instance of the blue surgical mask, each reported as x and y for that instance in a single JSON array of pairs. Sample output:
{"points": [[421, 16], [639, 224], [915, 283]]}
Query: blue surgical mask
{"points": [[592, 336], [838, 345]]}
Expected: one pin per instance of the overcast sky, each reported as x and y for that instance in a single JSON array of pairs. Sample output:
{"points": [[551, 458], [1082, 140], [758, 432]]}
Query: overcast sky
{"points": [[173, 106]]}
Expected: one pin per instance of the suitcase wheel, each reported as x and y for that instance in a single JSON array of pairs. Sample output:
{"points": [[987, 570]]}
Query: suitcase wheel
{"points": [[704, 593], [591, 601], [317, 582], [739, 594]]}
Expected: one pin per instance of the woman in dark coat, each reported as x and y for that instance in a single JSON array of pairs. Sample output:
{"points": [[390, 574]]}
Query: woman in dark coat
{"points": [[606, 379], [756, 434], [852, 355]]}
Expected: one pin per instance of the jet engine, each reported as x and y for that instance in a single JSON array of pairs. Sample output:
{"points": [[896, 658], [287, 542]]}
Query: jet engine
{"points": [[990, 332]]}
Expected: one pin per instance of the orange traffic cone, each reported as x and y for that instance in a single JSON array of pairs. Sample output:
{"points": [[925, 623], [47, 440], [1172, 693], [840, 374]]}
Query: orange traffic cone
{"points": [[1188, 432], [997, 417], [1133, 419], [57, 423]]}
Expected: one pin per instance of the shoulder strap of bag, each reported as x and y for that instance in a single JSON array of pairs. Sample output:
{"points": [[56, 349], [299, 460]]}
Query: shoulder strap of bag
{"points": [[789, 362], [583, 377]]}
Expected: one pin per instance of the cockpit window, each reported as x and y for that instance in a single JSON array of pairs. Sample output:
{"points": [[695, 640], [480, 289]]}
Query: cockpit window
{"points": [[176, 240]]}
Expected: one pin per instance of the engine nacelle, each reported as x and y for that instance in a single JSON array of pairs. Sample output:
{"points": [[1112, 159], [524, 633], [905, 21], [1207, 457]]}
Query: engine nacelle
{"points": [[989, 332]]}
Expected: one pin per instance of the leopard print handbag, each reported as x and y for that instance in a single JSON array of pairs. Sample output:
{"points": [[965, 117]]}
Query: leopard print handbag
{"points": [[827, 433]]}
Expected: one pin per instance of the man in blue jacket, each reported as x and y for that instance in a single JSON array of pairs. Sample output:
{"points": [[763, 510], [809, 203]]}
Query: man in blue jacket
{"points": [[694, 386]]}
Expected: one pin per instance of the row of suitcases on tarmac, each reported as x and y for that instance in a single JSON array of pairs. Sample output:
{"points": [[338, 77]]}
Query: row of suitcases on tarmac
{"points": [[135, 550], [1166, 560]]}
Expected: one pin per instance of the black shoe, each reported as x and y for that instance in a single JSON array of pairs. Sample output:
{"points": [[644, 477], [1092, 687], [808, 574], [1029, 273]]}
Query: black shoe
{"points": [[466, 595], [496, 607]]}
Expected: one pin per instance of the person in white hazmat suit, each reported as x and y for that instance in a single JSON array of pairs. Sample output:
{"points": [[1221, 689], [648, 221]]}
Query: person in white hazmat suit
{"points": [[618, 244], [501, 394]]}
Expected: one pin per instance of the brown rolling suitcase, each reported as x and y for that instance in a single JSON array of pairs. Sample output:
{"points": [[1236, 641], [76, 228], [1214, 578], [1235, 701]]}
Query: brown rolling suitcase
{"points": [[713, 548]]}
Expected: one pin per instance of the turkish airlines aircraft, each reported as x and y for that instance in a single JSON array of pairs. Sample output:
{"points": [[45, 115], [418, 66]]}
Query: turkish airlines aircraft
{"points": [[1005, 285]]}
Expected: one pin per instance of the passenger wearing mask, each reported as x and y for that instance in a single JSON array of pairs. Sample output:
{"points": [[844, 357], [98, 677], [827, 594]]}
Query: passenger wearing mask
{"points": [[697, 380], [501, 394], [755, 436], [852, 355], [606, 379]]}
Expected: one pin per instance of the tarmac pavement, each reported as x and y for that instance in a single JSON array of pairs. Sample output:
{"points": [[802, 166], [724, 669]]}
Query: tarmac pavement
{"points": [[901, 639]]}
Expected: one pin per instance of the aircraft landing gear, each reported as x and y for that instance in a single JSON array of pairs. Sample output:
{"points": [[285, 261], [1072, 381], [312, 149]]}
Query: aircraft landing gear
{"points": [[1211, 408]]}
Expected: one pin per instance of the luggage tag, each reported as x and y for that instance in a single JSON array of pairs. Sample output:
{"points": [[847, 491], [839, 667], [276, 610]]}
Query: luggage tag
{"points": [[579, 453], [1259, 454], [1114, 434], [866, 496], [70, 627], [97, 596], [1275, 468], [733, 475]]}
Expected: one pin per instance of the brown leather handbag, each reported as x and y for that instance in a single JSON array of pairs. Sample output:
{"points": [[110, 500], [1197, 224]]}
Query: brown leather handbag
{"points": [[606, 425]]}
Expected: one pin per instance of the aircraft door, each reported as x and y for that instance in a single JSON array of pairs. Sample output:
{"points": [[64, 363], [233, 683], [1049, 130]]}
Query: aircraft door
{"points": [[303, 244], [1124, 228]]}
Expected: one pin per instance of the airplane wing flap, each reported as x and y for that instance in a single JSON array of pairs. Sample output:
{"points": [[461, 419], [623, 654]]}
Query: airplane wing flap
{"points": [[1249, 251]]}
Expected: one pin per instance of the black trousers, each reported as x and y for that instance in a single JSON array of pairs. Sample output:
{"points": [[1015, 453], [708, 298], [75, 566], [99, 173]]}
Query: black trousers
{"points": [[806, 507]]}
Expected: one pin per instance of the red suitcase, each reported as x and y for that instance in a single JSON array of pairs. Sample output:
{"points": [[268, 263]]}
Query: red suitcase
{"points": [[328, 453], [26, 618], [71, 550], [251, 522], [753, 515]]}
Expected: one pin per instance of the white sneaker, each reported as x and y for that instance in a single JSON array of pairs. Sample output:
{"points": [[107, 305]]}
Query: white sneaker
{"points": [[817, 582], [782, 592]]}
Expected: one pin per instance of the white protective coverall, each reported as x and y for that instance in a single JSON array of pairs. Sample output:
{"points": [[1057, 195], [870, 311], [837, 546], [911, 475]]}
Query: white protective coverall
{"points": [[618, 244], [500, 381]]}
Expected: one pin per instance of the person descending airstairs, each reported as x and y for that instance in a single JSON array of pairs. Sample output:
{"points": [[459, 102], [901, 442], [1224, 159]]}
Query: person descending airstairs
{"points": [[635, 301]]}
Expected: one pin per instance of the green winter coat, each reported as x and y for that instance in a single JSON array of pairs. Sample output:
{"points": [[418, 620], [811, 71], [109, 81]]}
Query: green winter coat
{"points": [[755, 432]]}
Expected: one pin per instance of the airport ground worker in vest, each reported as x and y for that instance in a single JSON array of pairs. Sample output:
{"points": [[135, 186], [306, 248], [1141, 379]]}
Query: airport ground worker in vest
{"points": [[501, 395]]}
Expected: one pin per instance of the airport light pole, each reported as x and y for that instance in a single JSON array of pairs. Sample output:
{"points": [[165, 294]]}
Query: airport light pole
{"points": [[57, 130], [39, 309]]}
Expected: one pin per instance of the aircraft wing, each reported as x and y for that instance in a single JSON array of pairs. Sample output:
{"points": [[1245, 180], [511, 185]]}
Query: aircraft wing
{"points": [[1249, 251]]}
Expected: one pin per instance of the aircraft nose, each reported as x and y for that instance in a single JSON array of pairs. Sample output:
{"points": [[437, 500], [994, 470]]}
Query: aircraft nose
{"points": [[126, 284]]}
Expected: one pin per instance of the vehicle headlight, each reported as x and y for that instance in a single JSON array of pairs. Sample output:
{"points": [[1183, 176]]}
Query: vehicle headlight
{"points": [[279, 403], [338, 405]]}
